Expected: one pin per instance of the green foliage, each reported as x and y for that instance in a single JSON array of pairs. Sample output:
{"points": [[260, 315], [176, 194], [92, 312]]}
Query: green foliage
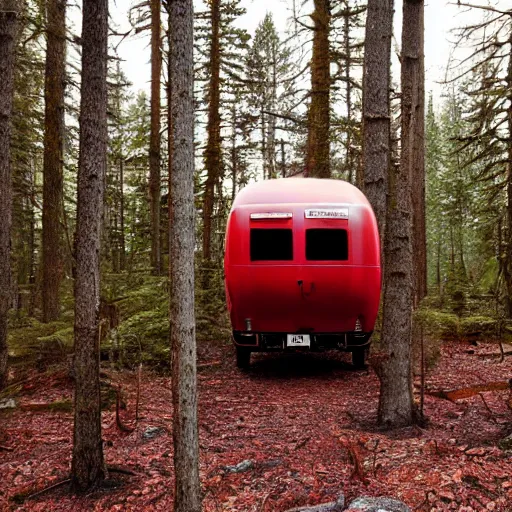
{"points": [[438, 323], [478, 325], [25, 342]]}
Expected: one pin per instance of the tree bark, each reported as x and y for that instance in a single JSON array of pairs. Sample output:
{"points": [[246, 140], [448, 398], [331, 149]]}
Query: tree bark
{"points": [[376, 110], [396, 403], [508, 258], [55, 77], [122, 240], [88, 467], [8, 26], [187, 497], [154, 143], [419, 240], [212, 155], [318, 143]]}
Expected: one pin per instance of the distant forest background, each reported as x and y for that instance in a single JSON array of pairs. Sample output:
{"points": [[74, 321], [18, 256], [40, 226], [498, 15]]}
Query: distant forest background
{"points": [[255, 103]]}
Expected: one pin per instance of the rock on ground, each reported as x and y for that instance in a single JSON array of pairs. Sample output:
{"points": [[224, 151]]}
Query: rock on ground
{"points": [[365, 504], [332, 506]]}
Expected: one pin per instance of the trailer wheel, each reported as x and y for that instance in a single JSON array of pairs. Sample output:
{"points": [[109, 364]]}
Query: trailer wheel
{"points": [[243, 357], [359, 357]]}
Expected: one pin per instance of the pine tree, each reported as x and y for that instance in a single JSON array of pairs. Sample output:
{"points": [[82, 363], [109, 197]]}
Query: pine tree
{"points": [[88, 466], [376, 106], [154, 149], [490, 118], [318, 143], [221, 67], [396, 402], [8, 14], [347, 56], [53, 158], [269, 73], [187, 496]]}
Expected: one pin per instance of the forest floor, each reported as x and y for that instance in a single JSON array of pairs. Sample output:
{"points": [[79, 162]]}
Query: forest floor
{"points": [[303, 427]]}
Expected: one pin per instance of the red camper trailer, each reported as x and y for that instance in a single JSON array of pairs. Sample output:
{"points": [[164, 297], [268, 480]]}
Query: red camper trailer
{"points": [[302, 267]]}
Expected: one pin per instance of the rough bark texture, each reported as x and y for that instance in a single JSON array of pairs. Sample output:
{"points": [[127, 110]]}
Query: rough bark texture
{"points": [[419, 240], [508, 257], [396, 404], [212, 156], [122, 240], [376, 115], [318, 144], [88, 468], [154, 143], [53, 157], [181, 262], [8, 13]]}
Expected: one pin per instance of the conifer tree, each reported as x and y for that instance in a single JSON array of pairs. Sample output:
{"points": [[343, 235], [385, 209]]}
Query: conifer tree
{"points": [[187, 495], [8, 13], [53, 158], [154, 149], [88, 467], [318, 143]]}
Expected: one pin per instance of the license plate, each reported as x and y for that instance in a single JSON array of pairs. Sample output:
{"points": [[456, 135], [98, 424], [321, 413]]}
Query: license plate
{"points": [[298, 340]]}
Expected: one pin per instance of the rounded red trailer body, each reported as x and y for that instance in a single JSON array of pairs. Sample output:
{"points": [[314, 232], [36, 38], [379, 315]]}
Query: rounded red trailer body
{"points": [[302, 267]]}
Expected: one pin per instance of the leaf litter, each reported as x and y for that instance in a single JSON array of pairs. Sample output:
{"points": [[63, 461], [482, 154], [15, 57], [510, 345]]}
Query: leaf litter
{"points": [[294, 429]]}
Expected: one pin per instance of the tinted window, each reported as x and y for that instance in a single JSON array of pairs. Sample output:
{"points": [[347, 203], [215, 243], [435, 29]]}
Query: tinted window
{"points": [[271, 244], [326, 244]]}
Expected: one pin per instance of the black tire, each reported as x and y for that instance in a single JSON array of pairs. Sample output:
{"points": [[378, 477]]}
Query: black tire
{"points": [[359, 357], [243, 357]]}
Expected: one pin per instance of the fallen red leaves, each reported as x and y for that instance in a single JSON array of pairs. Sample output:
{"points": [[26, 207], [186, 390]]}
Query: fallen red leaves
{"points": [[293, 430]]}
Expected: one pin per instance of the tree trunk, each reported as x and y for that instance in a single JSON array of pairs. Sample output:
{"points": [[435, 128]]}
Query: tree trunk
{"points": [[212, 153], [122, 241], [8, 25], [419, 239], [376, 110], [396, 402], [187, 497], [349, 160], [318, 144], [88, 467], [508, 258], [53, 158], [234, 158], [263, 143], [154, 143]]}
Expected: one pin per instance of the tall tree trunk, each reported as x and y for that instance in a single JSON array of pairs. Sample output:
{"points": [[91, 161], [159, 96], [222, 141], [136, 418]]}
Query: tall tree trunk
{"points": [[8, 25], [376, 110], [187, 496], [122, 241], [283, 160], [154, 143], [212, 153], [508, 259], [419, 240], [264, 162], [88, 467], [234, 163], [396, 403], [318, 144], [349, 160], [53, 158]]}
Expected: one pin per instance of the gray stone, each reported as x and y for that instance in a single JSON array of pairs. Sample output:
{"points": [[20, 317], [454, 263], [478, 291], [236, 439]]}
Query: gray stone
{"points": [[7, 403], [152, 432], [245, 465], [506, 443], [331, 506], [366, 504]]}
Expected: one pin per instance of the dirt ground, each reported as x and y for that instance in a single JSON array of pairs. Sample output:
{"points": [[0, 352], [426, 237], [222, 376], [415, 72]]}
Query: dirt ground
{"points": [[295, 429]]}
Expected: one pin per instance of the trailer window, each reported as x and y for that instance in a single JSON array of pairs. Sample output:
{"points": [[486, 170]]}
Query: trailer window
{"points": [[326, 244], [271, 244]]}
